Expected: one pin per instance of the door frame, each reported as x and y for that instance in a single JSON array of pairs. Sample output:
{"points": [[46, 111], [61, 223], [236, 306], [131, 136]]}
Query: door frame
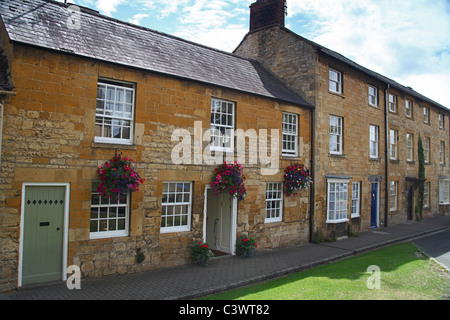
{"points": [[377, 204], [233, 220], [65, 227]]}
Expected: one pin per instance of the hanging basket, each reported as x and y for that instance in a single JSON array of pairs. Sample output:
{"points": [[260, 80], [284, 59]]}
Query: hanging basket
{"points": [[229, 178], [118, 178], [296, 178]]}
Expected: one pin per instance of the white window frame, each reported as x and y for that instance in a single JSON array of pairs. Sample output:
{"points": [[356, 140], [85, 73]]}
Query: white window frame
{"points": [[442, 152], [426, 149], [337, 200], [392, 103], [373, 96], [335, 81], [373, 141], [356, 199], [336, 134], [107, 206], [444, 191], [441, 121], [223, 114], [176, 205], [393, 144], [290, 134], [117, 116], [409, 147], [393, 196], [426, 115], [274, 202], [426, 194], [409, 108]]}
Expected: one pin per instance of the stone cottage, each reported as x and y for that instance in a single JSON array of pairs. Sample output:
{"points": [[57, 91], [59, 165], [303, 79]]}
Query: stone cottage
{"points": [[85, 88], [366, 130]]}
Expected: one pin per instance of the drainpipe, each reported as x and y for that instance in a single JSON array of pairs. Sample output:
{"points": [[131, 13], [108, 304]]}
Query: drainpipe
{"points": [[311, 171], [1, 132], [386, 180]]}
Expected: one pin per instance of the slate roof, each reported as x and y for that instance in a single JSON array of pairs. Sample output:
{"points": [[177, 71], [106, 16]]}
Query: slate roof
{"points": [[393, 84], [43, 23], [386, 80]]}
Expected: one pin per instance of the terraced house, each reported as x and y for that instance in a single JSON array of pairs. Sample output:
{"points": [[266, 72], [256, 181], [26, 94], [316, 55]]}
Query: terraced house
{"points": [[80, 88], [366, 130]]}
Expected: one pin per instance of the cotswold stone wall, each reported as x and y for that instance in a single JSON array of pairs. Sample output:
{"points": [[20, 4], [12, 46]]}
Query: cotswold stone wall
{"points": [[296, 61], [48, 136]]}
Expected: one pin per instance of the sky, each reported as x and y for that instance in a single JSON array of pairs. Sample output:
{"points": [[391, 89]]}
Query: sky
{"points": [[405, 40]]}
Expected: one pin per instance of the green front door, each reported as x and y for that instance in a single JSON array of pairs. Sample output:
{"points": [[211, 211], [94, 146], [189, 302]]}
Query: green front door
{"points": [[43, 234]]}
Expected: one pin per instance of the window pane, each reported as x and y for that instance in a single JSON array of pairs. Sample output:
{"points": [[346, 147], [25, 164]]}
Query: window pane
{"points": [[114, 105], [274, 199], [176, 206], [107, 215]]}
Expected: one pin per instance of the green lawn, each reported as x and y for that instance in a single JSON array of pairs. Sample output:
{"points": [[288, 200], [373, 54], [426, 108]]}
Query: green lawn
{"points": [[405, 274]]}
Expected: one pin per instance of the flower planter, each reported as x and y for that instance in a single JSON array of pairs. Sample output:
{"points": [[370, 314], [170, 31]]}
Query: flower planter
{"points": [[118, 178], [296, 178], [229, 178], [201, 253], [246, 247]]}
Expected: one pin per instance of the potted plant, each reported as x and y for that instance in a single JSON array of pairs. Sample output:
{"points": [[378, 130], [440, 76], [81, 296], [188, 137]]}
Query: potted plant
{"points": [[245, 247], [229, 178], [201, 253], [118, 178], [296, 177]]}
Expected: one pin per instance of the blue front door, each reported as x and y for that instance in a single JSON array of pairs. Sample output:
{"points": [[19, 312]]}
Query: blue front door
{"points": [[374, 206]]}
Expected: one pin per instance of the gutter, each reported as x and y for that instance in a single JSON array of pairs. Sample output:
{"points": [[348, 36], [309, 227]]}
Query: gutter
{"points": [[386, 182]]}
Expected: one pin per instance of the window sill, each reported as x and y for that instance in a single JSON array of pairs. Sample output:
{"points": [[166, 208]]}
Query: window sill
{"points": [[105, 145], [109, 235], [412, 162], [336, 155], [179, 230], [375, 159], [272, 222], [290, 157], [336, 221], [338, 94]]}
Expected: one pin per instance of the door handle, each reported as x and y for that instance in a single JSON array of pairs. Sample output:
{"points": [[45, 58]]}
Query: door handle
{"points": [[58, 228]]}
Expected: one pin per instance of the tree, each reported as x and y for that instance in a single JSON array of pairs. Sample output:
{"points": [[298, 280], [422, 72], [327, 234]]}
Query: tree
{"points": [[419, 208]]}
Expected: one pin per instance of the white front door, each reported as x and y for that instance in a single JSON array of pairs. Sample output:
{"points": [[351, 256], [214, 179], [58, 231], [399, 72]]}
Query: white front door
{"points": [[220, 224]]}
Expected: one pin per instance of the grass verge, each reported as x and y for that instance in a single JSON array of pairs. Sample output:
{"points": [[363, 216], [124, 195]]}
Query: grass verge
{"points": [[405, 274]]}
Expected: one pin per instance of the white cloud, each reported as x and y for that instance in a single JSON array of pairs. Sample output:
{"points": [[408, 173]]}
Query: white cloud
{"points": [[215, 23], [137, 18], [404, 40], [225, 39]]}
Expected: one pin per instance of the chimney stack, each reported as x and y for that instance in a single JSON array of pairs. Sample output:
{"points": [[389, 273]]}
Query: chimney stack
{"points": [[264, 13]]}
